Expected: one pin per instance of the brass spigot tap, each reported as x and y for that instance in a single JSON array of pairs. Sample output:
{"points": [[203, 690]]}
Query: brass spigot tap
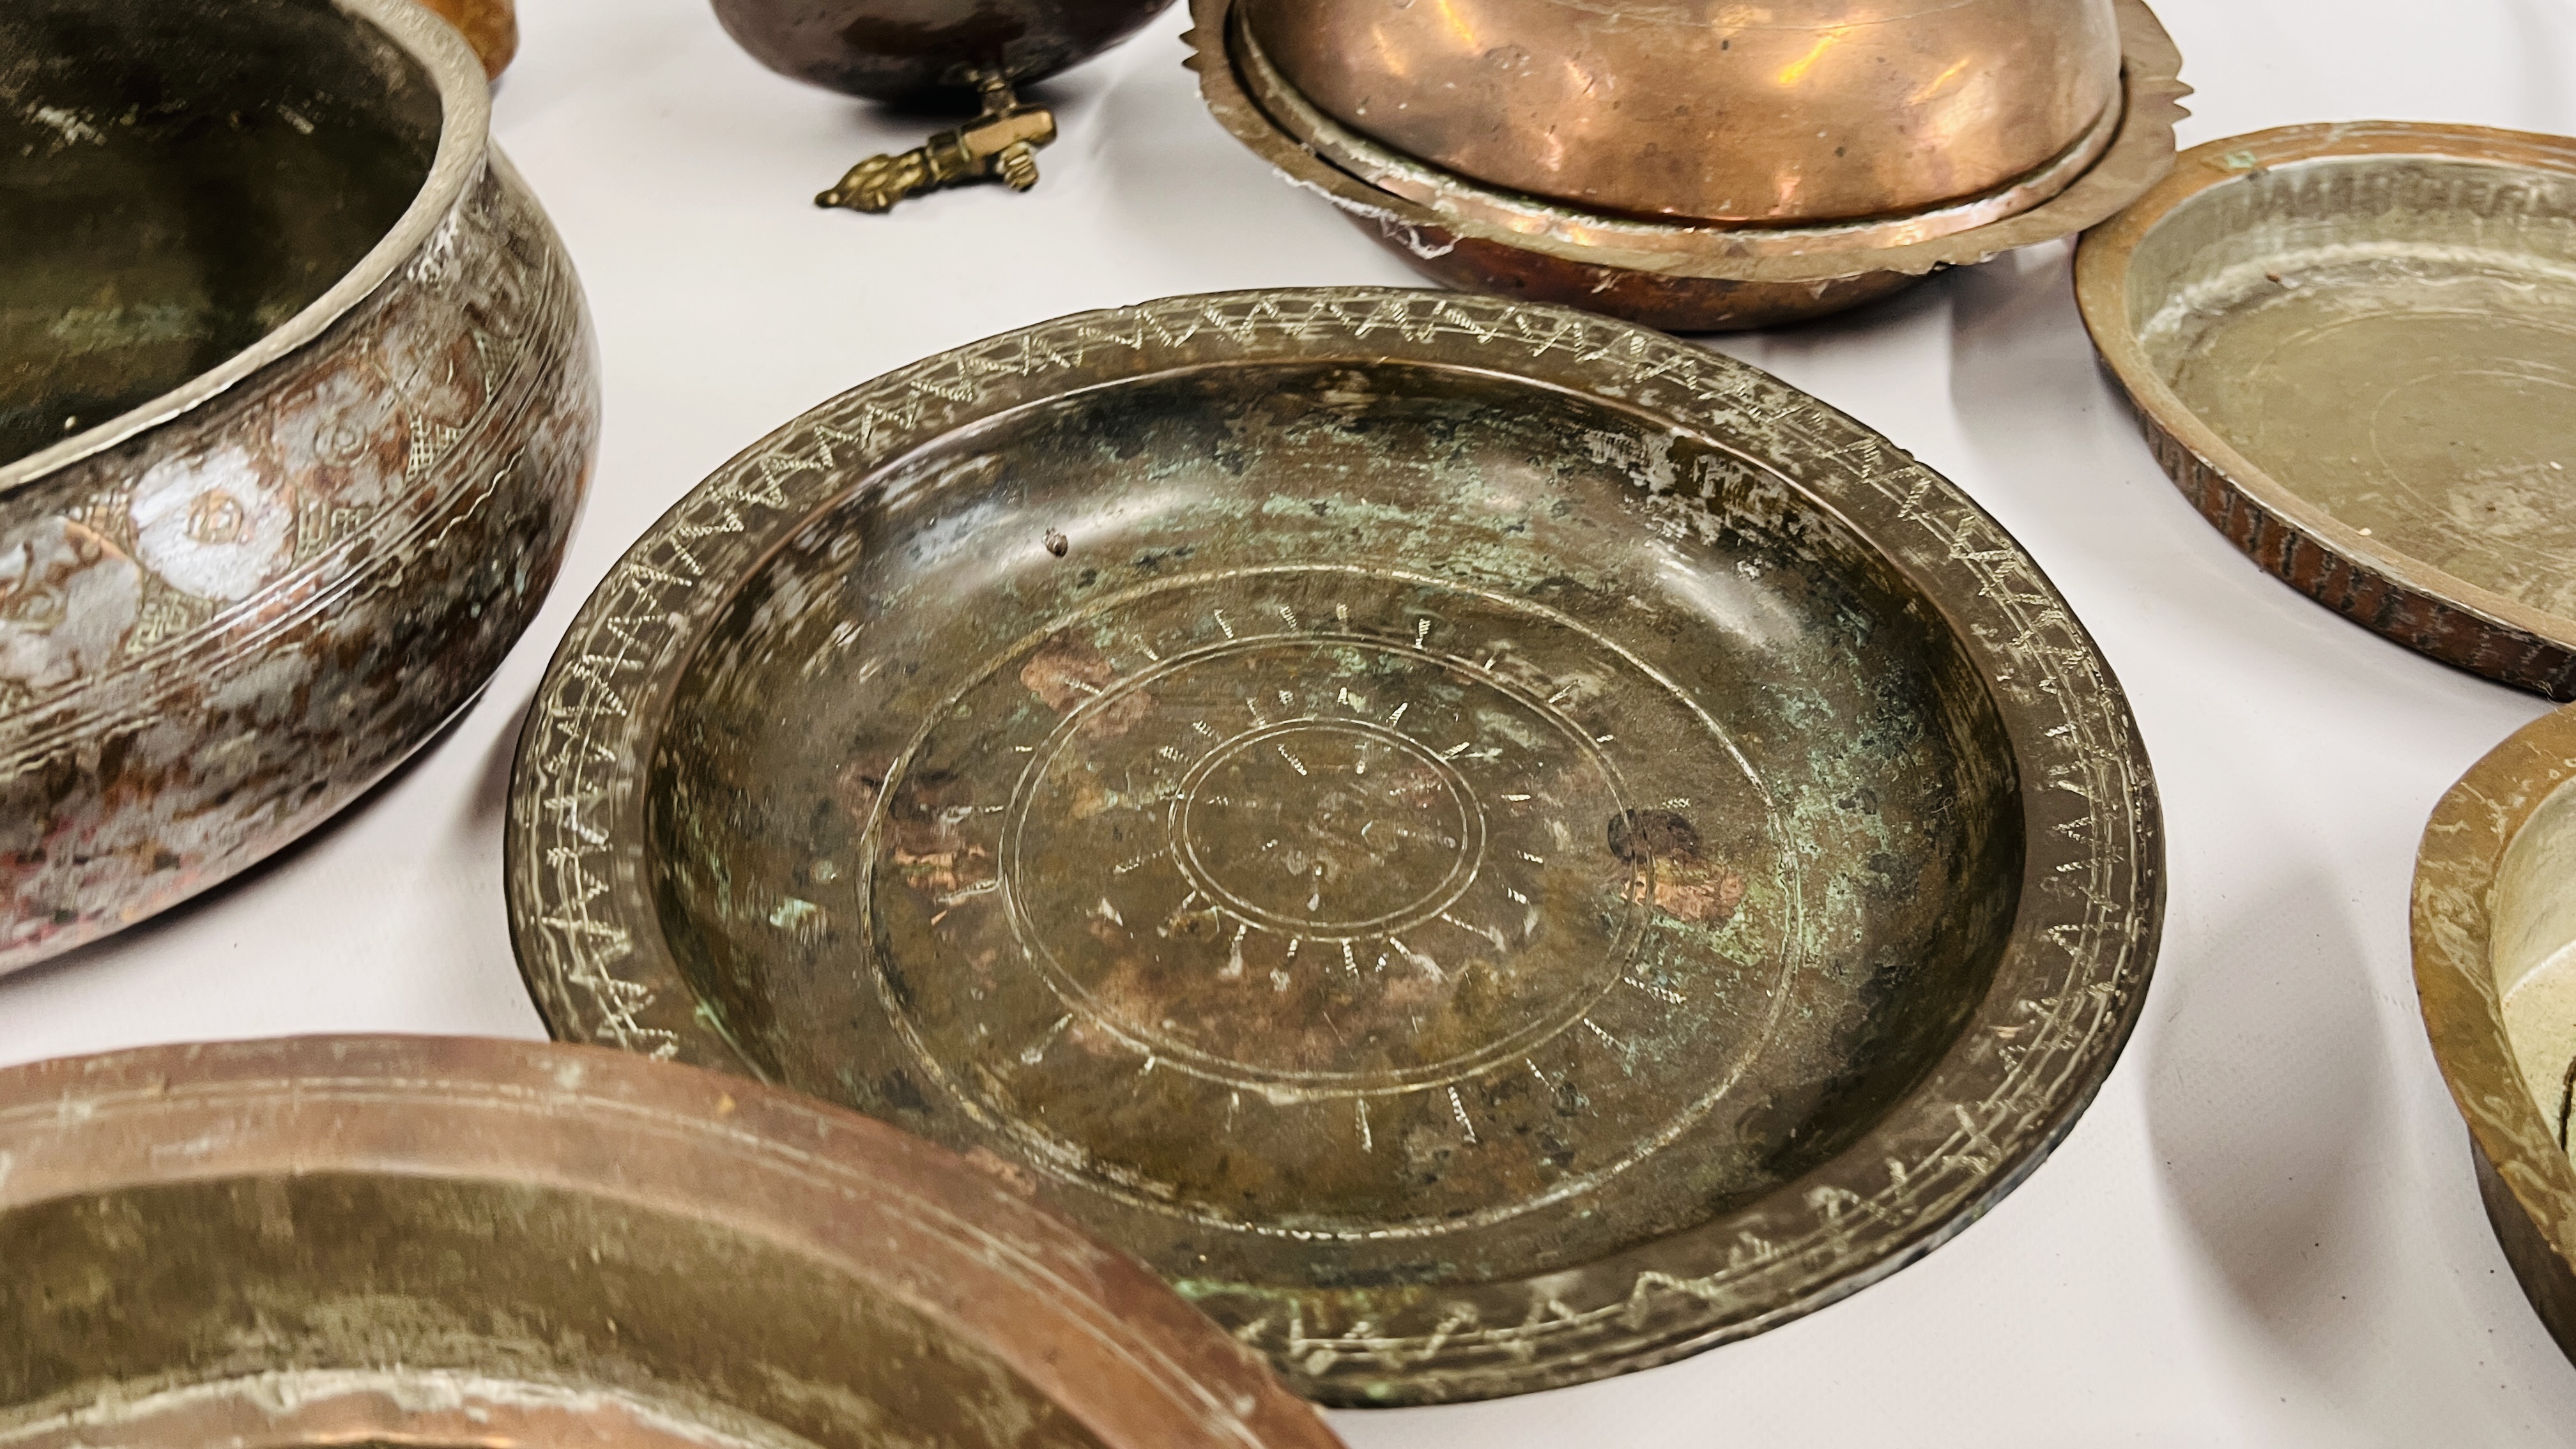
{"points": [[1002, 141]]}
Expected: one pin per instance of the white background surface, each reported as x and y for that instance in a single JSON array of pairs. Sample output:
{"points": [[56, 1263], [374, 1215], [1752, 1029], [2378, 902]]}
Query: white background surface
{"points": [[2265, 1232]]}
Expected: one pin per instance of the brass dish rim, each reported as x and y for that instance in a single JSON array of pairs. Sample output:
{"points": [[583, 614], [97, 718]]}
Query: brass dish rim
{"points": [[464, 140], [2135, 154], [2102, 261], [2066, 990], [2450, 924], [842, 1188]]}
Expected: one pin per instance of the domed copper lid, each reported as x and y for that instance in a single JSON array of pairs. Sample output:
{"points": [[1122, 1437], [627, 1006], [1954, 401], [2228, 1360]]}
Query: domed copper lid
{"points": [[1793, 112]]}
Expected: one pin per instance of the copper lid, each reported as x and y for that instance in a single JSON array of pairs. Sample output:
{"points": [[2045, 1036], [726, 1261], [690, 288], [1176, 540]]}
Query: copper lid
{"points": [[1800, 111]]}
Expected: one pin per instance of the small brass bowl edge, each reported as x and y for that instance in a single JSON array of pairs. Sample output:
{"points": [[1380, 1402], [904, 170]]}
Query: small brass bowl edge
{"points": [[2525, 1178]]}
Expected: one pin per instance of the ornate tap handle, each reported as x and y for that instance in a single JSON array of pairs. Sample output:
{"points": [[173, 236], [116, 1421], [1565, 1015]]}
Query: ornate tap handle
{"points": [[1002, 142]]}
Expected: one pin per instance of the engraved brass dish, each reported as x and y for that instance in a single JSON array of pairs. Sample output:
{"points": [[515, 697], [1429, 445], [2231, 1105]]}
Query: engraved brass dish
{"points": [[2354, 349], [1492, 847], [2495, 971], [296, 408], [1608, 204], [418, 1241], [936, 53]]}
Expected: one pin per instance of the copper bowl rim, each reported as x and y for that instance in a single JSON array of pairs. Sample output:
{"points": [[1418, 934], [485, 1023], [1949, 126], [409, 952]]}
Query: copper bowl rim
{"points": [[2139, 151], [464, 138], [2102, 262], [1077, 1320], [2451, 924]]}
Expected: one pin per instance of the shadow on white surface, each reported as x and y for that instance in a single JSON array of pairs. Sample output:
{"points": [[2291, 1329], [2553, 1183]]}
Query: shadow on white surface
{"points": [[2266, 1101]]}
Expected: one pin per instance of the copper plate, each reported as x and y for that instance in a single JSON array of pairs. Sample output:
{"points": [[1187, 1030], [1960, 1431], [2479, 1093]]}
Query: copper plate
{"points": [[1680, 274], [2495, 968], [411, 1240], [1491, 846], [2354, 348]]}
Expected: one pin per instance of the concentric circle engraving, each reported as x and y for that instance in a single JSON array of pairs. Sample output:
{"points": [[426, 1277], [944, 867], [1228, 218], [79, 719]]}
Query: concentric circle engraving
{"points": [[1273, 893], [1288, 827], [1357, 825]]}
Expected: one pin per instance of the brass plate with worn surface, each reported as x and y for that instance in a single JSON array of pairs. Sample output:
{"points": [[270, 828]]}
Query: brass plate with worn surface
{"points": [[2354, 348], [506, 1245], [1491, 846], [2495, 972], [1676, 273]]}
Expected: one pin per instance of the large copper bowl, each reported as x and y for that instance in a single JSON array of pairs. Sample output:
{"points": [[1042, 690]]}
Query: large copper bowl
{"points": [[2495, 970], [1799, 111], [501, 1245], [297, 403]]}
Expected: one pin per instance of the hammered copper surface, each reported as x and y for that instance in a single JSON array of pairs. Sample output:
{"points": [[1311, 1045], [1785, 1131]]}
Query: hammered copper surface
{"points": [[410, 1240], [296, 408], [1801, 111], [1675, 273], [927, 50], [1492, 847], [2495, 970], [2354, 347]]}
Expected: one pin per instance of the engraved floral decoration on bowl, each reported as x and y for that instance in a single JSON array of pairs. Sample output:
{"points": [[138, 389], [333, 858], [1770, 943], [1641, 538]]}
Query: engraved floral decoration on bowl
{"points": [[228, 610]]}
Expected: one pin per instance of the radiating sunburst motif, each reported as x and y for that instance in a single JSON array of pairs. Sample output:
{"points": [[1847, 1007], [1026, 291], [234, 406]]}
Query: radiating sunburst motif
{"points": [[1351, 855]]}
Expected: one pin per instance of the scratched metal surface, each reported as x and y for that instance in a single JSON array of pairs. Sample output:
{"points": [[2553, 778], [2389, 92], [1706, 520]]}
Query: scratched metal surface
{"points": [[2260, 1235], [1492, 846], [223, 617], [2355, 349], [365, 1239]]}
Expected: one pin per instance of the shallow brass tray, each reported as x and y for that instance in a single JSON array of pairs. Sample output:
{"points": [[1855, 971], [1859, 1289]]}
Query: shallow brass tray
{"points": [[2494, 921], [422, 1241], [1491, 846], [1677, 274], [2354, 349]]}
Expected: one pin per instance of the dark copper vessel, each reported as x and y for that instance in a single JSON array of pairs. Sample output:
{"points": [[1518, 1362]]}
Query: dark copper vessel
{"points": [[924, 50], [936, 52]]}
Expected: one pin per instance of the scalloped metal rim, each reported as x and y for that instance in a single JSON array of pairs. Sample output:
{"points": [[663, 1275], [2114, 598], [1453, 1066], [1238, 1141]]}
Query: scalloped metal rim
{"points": [[2139, 154]]}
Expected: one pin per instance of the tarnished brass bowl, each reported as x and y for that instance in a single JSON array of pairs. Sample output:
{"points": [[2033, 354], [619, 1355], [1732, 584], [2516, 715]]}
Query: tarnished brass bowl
{"points": [[1834, 231], [297, 404], [502, 1245], [2495, 971], [2353, 348], [1491, 846], [1803, 111]]}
